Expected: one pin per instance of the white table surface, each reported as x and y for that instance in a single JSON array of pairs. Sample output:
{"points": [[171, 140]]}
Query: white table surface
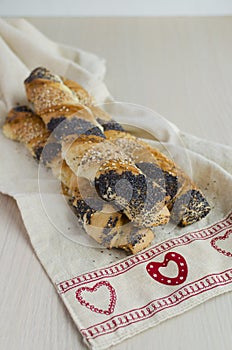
{"points": [[182, 68]]}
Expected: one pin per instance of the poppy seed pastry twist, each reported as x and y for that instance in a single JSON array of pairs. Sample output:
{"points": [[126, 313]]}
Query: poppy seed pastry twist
{"points": [[185, 200], [100, 220], [87, 153]]}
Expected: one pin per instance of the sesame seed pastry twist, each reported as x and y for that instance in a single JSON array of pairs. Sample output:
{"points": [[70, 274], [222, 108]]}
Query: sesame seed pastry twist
{"points": [[89, 154], [185, 200], [100, 220]]}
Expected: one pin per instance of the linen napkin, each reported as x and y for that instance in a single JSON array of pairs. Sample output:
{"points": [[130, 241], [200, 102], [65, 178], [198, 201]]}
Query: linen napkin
{"points": [[183, 267]]}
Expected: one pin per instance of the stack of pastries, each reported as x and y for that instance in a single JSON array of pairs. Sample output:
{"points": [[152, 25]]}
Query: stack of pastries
{"points": [[119, 187]]}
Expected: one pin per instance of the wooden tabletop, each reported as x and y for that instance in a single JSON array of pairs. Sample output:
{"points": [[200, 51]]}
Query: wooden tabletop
{"points": [[180, 67]]}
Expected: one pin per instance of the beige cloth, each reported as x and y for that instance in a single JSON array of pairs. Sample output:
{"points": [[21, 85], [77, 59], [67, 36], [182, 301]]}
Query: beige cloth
{"points": [[96, 284]]}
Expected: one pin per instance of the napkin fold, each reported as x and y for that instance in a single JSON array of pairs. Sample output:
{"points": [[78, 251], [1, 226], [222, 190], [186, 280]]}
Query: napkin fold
{"points": [[183, 268]]}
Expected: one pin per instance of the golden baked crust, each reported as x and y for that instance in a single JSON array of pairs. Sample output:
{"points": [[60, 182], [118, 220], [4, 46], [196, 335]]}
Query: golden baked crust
{"points": [[83, 96]]}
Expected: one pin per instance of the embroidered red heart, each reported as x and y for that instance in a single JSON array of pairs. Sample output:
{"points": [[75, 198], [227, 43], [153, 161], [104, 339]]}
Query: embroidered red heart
{"points": [[153, 269], [94, 289], [221, 238]]}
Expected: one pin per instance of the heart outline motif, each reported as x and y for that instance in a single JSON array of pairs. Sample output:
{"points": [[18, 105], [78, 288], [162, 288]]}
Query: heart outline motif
{"points": [[221, 238], [153, 269], [91, 307]]}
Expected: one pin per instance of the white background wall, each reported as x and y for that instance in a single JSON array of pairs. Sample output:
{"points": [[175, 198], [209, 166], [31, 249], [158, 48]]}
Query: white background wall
{"points": [[114, 7]]}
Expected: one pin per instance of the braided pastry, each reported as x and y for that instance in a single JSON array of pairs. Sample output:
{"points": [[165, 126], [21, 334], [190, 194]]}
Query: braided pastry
{"points": [[87, 150], [100, 220]]}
